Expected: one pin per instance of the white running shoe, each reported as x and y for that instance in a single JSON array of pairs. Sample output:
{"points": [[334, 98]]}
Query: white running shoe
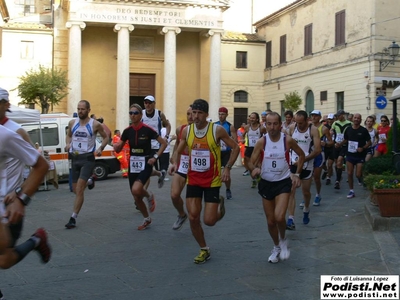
{"points": [[274, 257], [285, 252]]}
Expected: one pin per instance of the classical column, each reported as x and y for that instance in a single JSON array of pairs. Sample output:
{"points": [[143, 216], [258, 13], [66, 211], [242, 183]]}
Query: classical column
{"points": [[122, 103], [75, 64], [170, 74], [215, 73]]}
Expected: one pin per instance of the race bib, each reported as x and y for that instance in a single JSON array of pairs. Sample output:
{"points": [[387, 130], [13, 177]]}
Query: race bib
{"points": [[382, 138], [274, 163], [79, 145], [252, 142], [184, 164], [352, 147], [224, 147], [200, 160], [339, 137], [137, 164]]}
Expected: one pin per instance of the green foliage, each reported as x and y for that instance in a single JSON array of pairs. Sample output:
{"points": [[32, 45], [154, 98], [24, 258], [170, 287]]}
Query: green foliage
{"points": [[292, 101], [379, 165], [43, 86], [389, 141]]}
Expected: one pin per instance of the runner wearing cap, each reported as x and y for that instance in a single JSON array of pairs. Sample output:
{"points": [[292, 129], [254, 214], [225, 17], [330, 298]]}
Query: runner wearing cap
{"points": [[338, 128], [155, 118], [225, 150]]}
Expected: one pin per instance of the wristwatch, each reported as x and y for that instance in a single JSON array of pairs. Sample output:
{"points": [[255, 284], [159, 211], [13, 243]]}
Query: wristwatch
{"points": [[24, 198], [155, 156], [228, 166]]}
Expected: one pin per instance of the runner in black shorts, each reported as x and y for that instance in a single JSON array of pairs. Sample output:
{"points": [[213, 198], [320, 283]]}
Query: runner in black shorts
{"points": [[142, 160]]}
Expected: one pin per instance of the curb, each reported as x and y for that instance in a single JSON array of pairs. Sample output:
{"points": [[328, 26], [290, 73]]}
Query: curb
{"points": [[377, 222]]}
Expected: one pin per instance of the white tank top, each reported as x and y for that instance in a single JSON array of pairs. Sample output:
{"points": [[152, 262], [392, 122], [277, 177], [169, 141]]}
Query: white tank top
{"points": [[305, 142], [275, 165], [253, 136], [83, 137], [155, 123]]}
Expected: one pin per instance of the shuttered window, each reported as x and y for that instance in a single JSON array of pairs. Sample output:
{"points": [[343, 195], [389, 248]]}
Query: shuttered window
{"points": [[340, 28], [308, 40], [268, 61], [282, 54]]}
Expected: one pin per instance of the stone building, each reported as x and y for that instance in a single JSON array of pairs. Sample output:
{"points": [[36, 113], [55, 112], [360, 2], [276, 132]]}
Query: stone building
{"points": [[334, 53]]}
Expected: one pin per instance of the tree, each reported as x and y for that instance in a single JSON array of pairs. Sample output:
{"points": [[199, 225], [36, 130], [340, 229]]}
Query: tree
{"points": [[43, 86], [292, 101]]}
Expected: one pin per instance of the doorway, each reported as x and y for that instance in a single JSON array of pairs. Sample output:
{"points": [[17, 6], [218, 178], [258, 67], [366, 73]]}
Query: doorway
{"points": [[141, 85]]}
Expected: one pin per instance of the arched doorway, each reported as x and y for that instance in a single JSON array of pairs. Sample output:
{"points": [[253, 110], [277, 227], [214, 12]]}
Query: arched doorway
{"points": [[309, 101]]}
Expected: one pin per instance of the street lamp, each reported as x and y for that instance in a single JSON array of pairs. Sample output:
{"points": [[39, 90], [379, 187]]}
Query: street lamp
{"points": [[393, 52]]}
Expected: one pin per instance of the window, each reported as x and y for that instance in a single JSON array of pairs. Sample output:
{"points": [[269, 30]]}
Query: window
{"points": [[340, 100], [308, 40], [26, 50], [241, 60], [324, 96], [268, 105], [340, 28], [282, 54], [240, 96], [240, 116], [49, 134], [268, 61]]}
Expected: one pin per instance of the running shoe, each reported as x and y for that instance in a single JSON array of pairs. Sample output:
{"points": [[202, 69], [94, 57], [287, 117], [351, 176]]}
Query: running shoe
{"points": [[90, 182], [228, 194], [306, 218], [151, 202], [146, 223], [274, 257], [351, 194], [179, 222], [246, 173], [360, 181], [161, 179], [290, 224], [337, 185], [253, 184], [317, 201], [328, 181], [71, 224], [1, 296], [203, 256], [324, 174], [285, 252], [43, 248], [301, 205], [221, 207]]}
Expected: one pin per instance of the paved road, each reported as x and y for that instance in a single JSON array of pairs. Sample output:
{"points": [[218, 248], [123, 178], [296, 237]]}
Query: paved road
{"points": [[106, 257]]}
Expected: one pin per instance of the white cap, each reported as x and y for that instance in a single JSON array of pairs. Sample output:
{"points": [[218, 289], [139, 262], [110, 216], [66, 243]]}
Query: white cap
{"points": [[316, 112], [331, 116], [150, 98]]}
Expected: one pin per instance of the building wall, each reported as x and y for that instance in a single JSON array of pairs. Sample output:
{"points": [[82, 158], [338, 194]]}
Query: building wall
{"points": [[352, 68], [249, 79], [12, 63]]}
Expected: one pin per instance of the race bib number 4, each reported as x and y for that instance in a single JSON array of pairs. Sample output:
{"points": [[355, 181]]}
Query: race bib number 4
{"points": [[200, 160], [79, 145], [137, 164]]}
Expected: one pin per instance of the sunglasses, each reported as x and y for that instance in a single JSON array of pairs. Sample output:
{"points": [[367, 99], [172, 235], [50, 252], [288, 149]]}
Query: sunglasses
{"points": [[135, 112], [148, 102], [384, 121]]}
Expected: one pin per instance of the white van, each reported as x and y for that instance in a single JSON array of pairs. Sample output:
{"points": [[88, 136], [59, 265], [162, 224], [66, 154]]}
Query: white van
{"points": [[54, 130]]}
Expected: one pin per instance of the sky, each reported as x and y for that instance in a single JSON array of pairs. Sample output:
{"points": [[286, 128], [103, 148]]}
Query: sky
{"points": [[238, 16]]}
